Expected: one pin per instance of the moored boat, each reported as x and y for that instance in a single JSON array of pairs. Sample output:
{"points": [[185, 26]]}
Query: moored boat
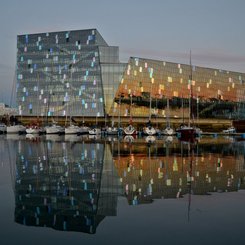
{"points": [[16, 129], [72, 129], [54, 129], [112, 131], [3, 128], [84, 129], [94, 131], [149, 130], [168, 131], [130, 130], [35, 130], [230, 130], [185, 132]]}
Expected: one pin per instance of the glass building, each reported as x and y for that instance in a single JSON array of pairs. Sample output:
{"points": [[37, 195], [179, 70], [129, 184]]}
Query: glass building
{"points": [[147, 85], [70, 73], [76, 73]]}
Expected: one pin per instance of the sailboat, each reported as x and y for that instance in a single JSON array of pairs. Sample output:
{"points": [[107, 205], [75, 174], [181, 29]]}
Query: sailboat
{"points": [[71, 129], [168, 130], [149, 129], [84, 129], [188, 132], [16, 129], [35, 126], [130, 129], [112, 130], [54, 128], [95, 130]]}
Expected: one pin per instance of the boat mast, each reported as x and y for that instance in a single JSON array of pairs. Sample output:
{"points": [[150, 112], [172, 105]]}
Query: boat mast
{"points": [[119, 112], [191, 94], [168, 112], [150, 100], [70, 101], [131, 101], [182, 105]]}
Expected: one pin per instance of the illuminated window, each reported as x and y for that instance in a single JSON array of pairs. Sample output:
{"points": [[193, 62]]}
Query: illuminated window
{"points": [[170, 79]]}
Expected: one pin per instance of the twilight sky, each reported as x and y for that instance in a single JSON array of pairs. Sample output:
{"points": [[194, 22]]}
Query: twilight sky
{"points": [[158, 29]]}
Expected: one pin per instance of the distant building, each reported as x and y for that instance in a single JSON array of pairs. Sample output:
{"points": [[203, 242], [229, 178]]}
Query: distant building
{"points": [[77, 73], [6, 110]]}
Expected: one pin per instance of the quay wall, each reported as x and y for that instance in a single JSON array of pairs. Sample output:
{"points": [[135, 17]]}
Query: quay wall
{"points": [[207, 125]]}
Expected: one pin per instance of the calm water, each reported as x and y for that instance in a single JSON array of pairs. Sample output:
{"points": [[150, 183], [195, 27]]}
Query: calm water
{"points": [[76, 190]]}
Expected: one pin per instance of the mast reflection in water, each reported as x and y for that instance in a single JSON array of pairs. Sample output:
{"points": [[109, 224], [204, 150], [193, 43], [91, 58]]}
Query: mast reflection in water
{"points": [[64, 185]]}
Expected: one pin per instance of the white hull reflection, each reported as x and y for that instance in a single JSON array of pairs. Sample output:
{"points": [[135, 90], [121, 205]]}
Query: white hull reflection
{"points": [[72, 137], [150, 139], [168, 131], [54, 137], [128, 138]]}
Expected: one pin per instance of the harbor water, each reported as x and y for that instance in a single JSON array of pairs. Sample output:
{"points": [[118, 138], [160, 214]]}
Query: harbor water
{"points": [[121, 190]]}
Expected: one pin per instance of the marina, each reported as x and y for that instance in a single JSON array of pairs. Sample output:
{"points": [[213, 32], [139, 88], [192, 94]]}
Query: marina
{"points": [[122, 122]]}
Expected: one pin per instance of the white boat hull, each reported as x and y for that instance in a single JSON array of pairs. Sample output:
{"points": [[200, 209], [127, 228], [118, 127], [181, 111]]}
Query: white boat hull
{"points": [[149, 131], [84, 130], [112, 131], [32, 130], [150, 139], [168, 131], [230, 130], [16, 129], [72, 130], [129, 130], [54, 129], [94, 131], [3, 128]]}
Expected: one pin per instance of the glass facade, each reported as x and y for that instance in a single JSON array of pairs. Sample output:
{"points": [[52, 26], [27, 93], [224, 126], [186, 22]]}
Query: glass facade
{"points": [[60, 73], [149, 84], [76, 73]]}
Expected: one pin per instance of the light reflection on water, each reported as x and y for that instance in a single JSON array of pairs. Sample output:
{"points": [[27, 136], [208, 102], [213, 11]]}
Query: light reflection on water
{"points": [[77, 183]]}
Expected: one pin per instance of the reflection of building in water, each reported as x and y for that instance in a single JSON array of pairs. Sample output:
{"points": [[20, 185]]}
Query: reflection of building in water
{"points": [[66, 186], [167, 171]]}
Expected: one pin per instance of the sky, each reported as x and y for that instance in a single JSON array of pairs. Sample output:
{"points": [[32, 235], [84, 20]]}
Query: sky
{"points": [[165, 30]]}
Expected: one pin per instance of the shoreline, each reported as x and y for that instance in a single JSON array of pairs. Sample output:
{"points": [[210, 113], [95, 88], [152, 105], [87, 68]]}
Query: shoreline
{"points": [[207, 125]]}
